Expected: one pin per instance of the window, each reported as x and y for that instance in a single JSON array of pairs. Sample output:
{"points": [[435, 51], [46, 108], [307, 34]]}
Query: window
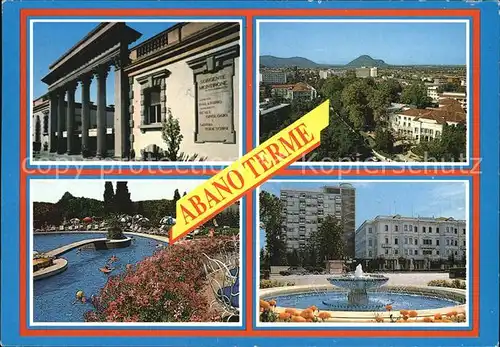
{"points": [[153, 105], [456, 253], [463, 231], [396, 241], [416, 242], [456, 231], [416, 252], [396, 252], [369, 253], [427, 242], [369, 242], [437, 230], [427, 252], [464, 243], [406, 240], [410, 227], [386, 251], [447, 229], [415, 228], [423, 229], [405, 227], [386, 240], [447, 242], [437, 252], [437, 242], [411, 241], [456, 243], [370, 230], [430, 229], [395, 228], [386, 227]]}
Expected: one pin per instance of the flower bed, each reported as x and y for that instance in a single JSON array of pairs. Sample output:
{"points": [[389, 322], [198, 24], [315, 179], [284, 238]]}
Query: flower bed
{"points": [[448, 284], [274, 283], [170, 286]]}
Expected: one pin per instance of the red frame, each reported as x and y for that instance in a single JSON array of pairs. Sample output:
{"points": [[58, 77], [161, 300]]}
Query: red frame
{"points": [[248, 331]]}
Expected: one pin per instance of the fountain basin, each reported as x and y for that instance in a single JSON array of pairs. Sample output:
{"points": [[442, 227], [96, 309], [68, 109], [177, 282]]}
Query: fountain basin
{"points": [[443, 300], [352, 282]]}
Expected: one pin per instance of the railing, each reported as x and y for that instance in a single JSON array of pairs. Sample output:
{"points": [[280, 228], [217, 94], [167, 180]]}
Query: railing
{"points": [[155, 44]]}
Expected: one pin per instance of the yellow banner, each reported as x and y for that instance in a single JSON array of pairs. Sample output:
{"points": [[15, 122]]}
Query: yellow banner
{"points": [[255, 167]]}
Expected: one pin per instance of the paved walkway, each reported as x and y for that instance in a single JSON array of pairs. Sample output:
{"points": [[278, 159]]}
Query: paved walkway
{"points": [[395, 279], [66, 248]]}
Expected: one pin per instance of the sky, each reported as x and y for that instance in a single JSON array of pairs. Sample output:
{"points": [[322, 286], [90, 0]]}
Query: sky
{"points": [[339, 43], [52, 40], [424, 199], [51, 190]]}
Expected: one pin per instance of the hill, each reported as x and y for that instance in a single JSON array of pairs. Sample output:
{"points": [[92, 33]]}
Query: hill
{"points": [[271, 61], [367, 61], [277, 62]]}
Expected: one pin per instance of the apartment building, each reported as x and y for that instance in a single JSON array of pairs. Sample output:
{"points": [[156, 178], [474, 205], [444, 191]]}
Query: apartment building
{"points": [[304, 211], [405, 242], [273, 77]]}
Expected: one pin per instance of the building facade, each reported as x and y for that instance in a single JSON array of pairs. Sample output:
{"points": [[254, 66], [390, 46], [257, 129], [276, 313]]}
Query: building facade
{"points": [[190, 72], [273, 77], [404, 242], [304, 212], [299, 91], [363, 72], [418, 125]]}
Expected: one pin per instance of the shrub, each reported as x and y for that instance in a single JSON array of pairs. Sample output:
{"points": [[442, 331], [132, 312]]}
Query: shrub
{"points": [[170, 286], [273, 283], [449, 284]]}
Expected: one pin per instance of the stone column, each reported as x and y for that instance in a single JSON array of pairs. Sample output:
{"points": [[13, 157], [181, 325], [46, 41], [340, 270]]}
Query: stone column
{"points": [[121, 116], [53, 122], [85, 84], [70, 119], [60, 122], [101, 75]]}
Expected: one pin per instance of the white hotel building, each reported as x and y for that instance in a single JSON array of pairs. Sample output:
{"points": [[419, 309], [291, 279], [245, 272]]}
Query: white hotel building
{"points": [[419, 241]]}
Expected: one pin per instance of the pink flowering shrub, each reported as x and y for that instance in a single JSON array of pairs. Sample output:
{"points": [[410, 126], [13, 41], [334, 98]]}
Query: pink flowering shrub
{"points": [[170, 286]]}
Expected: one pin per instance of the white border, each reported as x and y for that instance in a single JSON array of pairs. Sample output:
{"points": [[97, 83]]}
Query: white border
{"points": [[134, 163], [468, 70], [354, 324], [30, 281]]}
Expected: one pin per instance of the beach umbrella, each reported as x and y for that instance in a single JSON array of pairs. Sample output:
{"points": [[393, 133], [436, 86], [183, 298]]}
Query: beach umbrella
{"points": [[87, 219], [137, 216]]}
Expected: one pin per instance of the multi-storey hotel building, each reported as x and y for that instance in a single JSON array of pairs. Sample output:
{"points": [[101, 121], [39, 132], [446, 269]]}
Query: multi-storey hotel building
{"points": [[304, 211], [420, 241]]}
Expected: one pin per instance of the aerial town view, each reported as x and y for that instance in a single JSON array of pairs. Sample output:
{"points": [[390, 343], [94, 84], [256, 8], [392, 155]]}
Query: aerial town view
{"points": [[362, 252], [100, 253], [138, 91], [400, 96]]}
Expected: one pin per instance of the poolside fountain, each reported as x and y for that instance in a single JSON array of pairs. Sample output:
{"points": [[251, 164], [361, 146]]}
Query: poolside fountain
{"points": [[357, 284]]}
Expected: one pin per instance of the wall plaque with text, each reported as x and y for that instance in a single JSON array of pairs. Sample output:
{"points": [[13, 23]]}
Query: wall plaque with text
{"points": [[213, 77]]}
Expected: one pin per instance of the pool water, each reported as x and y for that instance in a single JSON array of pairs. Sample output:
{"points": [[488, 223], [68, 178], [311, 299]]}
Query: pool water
{"points": [[335, 301], [54, 297]]}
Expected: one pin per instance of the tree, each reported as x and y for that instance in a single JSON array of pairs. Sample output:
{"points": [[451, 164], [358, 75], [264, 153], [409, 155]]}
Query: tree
{"points": [[109, 196], [271, 219], [328, 240], [122, 199], [392, 88], [449, 147], [416, 94], [384, 140], [177, 196], [171, 134]]}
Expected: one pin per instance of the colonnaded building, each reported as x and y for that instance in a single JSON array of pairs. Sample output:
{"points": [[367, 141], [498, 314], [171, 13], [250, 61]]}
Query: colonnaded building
{"points": [[190, 71]]}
